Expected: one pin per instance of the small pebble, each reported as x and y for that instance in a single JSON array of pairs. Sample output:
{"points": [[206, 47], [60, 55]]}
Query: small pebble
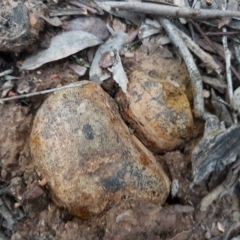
{"points": [[236, 98], [206, 93], [174, 187], [208, 235], [35, 22], [129, 55], [17, 205], [39, 72]]}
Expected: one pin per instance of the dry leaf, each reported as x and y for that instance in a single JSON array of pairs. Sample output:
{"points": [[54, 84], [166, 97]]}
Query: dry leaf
{"points": [[119, 74], [107, 59], [136, 18], [96, 73], [55, 21], [61, 46], [215, 83], [148, 28], [23, 87], [79, 70], [220, 227], [91, 25], [7, 86]]}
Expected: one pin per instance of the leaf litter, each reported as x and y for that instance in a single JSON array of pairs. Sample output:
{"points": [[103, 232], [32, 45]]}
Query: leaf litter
{"points": [[61, 46]]}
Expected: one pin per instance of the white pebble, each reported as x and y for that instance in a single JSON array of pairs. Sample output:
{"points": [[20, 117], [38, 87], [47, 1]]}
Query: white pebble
{"points": [[206, 93], [236, 100]]}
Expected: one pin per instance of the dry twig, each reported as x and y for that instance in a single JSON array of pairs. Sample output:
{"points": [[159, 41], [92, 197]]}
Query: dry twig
{"points": [[228, 64], [195, 75], [228, 71], [9, 71], [222, 33], [67, 12], [210, 197], [225, 187], [225, 103], [206, 58], [214, 48], [236, 51], [215, 83], [185, 234], [81, 5], [168, 11], [72, 85]]}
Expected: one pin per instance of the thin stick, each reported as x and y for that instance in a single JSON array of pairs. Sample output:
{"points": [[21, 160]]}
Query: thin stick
{"points": [[235, 225], [68, 12], [190, 26], [206, 38], [78, 4], [228, 64], [236, 74], [214, 48], [225, 103], [181, 233], [236, 51], [228, 70], [9, 71], [192, 68], [168, 11], [206, 58], [227, 186], [210, 197], [215, 83], [221, 33], [72, 85]]}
